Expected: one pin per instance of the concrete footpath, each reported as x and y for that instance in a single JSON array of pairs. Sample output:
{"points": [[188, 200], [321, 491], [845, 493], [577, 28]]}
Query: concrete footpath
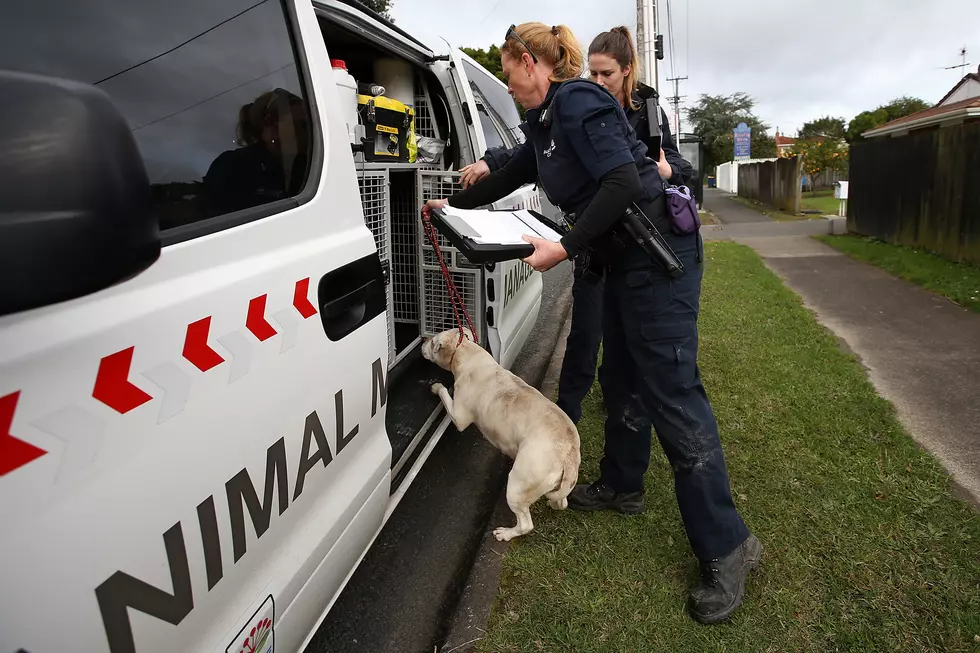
{"points": [[716, 200], [922, 351]]}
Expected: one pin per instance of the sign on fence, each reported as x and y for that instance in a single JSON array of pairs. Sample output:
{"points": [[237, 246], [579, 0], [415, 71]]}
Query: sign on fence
{"points": [[743, 141]]}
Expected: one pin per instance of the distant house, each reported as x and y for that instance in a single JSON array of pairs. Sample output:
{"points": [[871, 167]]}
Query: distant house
{"points": [[960, 105], [783, 144]]}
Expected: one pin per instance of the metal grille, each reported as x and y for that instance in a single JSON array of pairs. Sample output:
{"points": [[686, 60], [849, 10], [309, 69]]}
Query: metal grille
{"points": [[375, 202], [437, 307], [425, 123], [405, 246], [439, 314], [438, 185]]}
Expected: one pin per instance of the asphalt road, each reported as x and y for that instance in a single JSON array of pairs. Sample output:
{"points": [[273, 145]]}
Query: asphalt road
{"points": [[404, 593]]}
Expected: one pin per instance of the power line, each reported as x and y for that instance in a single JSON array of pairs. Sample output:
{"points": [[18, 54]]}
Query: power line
{"points": [[208, 99], [163, 54]]}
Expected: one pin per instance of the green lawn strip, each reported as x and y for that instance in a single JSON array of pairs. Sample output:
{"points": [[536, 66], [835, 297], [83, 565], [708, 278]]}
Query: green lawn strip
{"points": [[770, 212], [866, 549], [820, 200], [959, 282]]}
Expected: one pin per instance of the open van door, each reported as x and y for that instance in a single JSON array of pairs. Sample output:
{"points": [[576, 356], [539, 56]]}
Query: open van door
{"points": [[512, 289]]}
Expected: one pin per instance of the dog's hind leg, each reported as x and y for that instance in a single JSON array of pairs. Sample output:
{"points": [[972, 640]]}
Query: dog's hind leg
{"points": [[461, 419], [520, 496]]}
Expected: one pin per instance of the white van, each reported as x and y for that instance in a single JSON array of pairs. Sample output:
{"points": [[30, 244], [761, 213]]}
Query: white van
{"points": [[211, 394]]}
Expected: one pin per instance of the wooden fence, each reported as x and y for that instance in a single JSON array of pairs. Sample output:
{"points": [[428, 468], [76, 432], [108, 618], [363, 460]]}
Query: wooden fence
{"points": [[919, 190], [774, 183]]}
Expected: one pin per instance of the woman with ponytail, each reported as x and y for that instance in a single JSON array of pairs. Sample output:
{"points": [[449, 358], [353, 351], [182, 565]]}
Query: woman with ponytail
{"points": [[581, 150], [614, 63]]}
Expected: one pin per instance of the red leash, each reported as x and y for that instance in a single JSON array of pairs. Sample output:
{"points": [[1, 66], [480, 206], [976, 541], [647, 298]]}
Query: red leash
{"points": [[430, 232]]}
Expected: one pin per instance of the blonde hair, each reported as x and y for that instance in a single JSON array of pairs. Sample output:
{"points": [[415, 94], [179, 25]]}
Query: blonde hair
{"points": [[618, 44], [555, 45]]}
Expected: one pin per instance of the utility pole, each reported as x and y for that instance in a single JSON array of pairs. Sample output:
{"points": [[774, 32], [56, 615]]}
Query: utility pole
{"points": [[647, 41], [675, 100]]}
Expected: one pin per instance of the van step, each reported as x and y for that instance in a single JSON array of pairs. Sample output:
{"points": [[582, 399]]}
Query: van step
{"points": [[410, 400]]}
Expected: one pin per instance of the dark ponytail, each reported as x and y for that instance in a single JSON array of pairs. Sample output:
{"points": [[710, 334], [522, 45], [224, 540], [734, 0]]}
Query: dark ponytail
{"points": [[618, 44]]}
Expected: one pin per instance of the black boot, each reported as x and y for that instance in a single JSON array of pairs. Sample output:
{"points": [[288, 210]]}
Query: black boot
{"points": [[722, 584], [599, 496]]}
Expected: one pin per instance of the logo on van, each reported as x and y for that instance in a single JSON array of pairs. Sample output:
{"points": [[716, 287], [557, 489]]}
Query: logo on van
{"points": [[258, 635], [515, 280]]}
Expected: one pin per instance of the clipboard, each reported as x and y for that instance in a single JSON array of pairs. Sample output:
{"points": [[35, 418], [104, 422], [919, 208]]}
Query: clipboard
{"points": [[464, 237]]}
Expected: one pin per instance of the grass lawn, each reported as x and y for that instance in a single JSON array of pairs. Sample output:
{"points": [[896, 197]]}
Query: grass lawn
{"points": [[770, 212], [820, 200], [866, 549], [959, 282]]}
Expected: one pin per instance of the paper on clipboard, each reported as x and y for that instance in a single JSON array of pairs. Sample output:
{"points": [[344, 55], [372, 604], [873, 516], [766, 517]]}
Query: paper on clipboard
{"points": [[498, 227]]}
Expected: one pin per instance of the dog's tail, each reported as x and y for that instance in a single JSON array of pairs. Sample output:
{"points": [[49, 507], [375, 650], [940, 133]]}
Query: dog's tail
{"points": [[568, 479]]}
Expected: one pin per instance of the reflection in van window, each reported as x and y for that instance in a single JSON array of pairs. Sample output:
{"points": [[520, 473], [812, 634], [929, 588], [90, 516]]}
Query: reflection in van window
{"points": [[210, 90], [498, 100], [494, 139]]}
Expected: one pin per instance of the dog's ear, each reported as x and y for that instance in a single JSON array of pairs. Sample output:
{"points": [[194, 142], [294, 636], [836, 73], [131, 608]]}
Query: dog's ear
{"points": [[468, 334]]}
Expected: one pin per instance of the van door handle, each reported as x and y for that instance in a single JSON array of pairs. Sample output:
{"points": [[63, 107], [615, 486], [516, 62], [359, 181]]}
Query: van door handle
{"points": [[351, 296]]}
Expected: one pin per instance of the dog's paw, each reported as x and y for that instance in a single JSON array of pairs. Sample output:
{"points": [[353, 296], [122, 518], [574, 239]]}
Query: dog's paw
{"points": [[436, 388], [505, 534]]}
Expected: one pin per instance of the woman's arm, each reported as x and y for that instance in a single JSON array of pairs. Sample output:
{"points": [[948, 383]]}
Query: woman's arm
{"points": [[618, 188], [521, 169], [599, 132]]}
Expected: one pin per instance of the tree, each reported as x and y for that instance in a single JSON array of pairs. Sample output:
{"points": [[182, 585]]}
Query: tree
{"points": [[489, 59], [382, 7], [897, 108], [825, 127], [715, 116], [822, 154]]}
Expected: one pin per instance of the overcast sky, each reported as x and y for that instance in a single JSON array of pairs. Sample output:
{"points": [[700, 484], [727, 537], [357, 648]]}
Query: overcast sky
{"points": [[799, 60]]}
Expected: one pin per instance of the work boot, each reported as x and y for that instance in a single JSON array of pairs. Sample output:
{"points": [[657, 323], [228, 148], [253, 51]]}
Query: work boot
{"points": [[599, 496], [722, 584]]}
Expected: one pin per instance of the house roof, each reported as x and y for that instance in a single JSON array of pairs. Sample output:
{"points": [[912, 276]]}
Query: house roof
{"points": [[965, 108], [784, 140], [969, 76]]}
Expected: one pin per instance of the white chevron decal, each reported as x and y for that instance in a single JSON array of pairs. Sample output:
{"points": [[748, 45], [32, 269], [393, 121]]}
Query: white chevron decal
{"points": [[176, 384], [82, 433], [289, 320], [241, 351]]}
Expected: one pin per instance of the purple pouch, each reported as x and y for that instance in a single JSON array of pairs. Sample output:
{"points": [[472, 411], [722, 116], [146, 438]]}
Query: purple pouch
{"points": [[683, 209]]}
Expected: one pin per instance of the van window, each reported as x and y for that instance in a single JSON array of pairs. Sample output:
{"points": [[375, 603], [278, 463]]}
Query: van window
{"points": [[497, 99], [210, 90], [494, 138]]}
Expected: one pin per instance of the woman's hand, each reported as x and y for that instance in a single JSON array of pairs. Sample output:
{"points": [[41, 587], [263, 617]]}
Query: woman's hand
{"points": [[474, 173], [663, 166], [434, 204], [546, 254]]}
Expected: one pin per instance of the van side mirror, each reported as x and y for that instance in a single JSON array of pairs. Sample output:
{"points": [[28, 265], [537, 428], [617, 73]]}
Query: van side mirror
{"points": [[75, 212]]}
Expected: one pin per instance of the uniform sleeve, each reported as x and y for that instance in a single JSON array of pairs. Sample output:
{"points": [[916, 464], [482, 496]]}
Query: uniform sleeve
{"points": [[596, 127], [521, 169], [497, 157], [681, 169]]}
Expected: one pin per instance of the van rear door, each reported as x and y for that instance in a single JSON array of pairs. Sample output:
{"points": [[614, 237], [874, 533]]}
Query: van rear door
{"points": [[512, 288]]}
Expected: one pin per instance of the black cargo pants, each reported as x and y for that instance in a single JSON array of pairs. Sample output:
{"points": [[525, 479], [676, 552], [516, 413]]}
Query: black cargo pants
{"points": [[650, 374], [582, 345]]}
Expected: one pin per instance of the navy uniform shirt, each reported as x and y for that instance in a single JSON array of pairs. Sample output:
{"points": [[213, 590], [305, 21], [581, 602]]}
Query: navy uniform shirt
{"points": [[681, 169], [584, 135]]}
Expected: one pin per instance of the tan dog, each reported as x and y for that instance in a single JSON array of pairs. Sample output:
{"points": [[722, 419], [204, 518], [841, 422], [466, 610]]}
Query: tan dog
{"points": [[516, 419]]}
